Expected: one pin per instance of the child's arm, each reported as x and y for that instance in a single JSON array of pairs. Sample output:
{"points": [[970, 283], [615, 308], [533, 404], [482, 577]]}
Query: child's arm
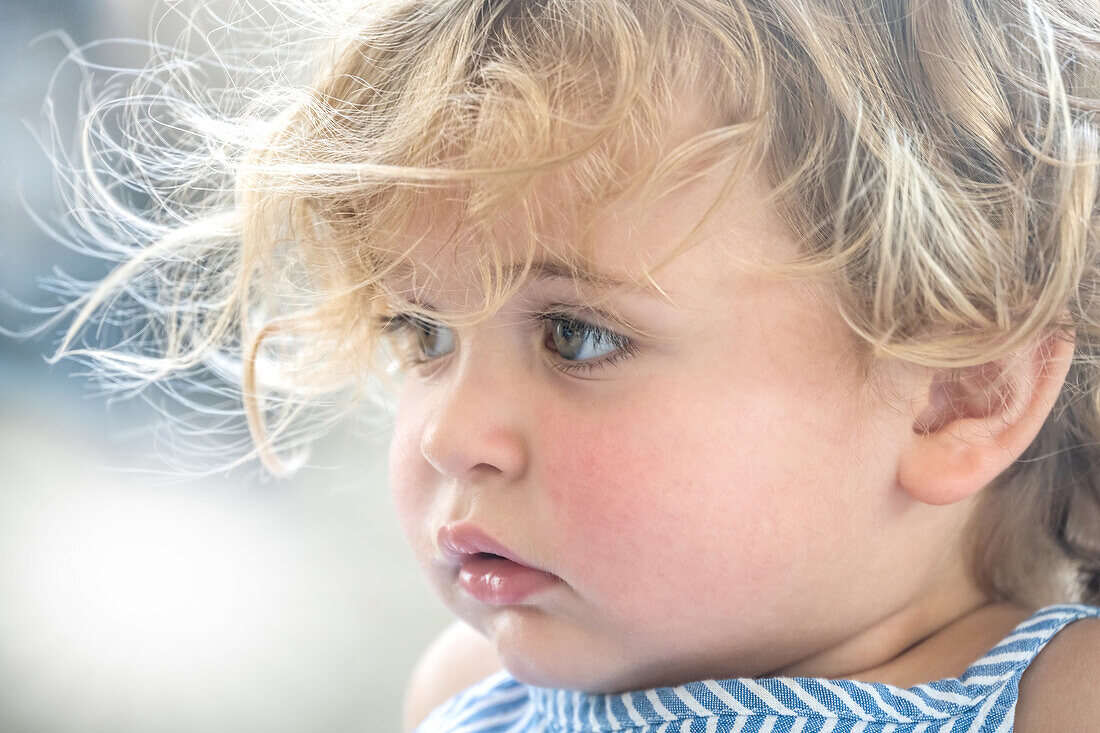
{"points": [[1060, 691], [458, 658]]}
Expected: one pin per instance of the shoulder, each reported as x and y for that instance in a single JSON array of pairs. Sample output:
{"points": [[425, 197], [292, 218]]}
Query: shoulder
{"points": [[458, 658], [1060, 690]]}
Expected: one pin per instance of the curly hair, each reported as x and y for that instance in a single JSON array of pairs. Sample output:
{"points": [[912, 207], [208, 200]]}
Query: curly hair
{"points": [[937, 159]]}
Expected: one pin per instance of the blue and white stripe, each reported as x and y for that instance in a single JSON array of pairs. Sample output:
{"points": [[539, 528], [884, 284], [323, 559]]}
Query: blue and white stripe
{"points": [[983, 700]]}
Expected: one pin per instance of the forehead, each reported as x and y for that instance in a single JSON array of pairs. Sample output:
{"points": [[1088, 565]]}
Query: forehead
{"points": [[574, 204], [624, 244]]}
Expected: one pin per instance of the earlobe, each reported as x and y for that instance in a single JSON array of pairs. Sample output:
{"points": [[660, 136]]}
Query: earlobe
{"points": [[973, 423]]}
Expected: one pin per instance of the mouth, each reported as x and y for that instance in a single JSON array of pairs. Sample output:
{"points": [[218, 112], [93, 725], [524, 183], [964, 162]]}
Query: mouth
{"points": [[486, 570], [460, 542]]}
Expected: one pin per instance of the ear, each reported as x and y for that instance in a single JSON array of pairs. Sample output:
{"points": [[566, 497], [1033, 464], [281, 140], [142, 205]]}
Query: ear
{"points": [[972, 423]]}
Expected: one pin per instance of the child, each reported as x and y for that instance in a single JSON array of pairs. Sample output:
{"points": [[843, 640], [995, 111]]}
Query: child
{"points": [[749, 348]]}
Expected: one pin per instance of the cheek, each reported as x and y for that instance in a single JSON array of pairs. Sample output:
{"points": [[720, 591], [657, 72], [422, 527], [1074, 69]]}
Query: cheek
{"points": [[600, 465], [730, 489], [408, 475], [659, 489]]}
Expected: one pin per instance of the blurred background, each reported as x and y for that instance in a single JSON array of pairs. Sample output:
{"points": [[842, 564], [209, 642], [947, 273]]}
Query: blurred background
{"points": [[132, 600]]}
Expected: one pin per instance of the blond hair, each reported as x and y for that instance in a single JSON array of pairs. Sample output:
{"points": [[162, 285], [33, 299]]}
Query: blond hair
{"points": [[938, 160]]}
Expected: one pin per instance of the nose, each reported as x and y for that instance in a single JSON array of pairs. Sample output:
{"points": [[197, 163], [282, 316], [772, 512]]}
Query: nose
{"points": [[475, 429]]}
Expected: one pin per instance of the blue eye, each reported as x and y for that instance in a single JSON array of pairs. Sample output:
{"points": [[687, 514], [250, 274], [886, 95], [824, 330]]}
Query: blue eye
{"points": [[426, 340], [575, 344], [435, 340], [577, 341]]}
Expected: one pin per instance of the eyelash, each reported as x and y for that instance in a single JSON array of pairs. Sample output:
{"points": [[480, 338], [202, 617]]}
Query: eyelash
{"points": [[409, 325], [624, 347]]}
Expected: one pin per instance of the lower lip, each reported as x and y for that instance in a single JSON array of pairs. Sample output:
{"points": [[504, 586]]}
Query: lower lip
{"points": [[501, 582]]}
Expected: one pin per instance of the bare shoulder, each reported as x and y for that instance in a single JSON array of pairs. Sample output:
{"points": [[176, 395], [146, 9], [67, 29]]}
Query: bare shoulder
{"points": [[1061, 689], [458, 658]]}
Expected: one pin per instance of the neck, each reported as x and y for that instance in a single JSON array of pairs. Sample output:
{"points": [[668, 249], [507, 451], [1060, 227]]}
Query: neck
{"points": [[935, 636]]}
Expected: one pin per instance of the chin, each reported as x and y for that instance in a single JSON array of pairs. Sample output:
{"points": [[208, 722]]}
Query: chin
{"points": [[593, 672], [544, 663], [582, 671], [543, 649], [561, 678]]}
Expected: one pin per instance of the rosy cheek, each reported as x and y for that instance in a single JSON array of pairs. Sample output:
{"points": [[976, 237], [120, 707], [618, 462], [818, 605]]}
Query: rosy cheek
{"points": [[605, 481], [638, 496]]}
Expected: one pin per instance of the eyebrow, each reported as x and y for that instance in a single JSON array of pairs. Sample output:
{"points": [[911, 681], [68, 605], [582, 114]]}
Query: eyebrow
{"points": [[548, 270], [545, 270]]}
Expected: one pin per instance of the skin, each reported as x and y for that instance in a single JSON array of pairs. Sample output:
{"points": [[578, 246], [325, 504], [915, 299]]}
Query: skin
{"points": [[732, 500]]}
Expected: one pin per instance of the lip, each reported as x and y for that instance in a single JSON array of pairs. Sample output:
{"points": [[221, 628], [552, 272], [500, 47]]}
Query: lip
{"points": [[487, 570], [459, 540]]}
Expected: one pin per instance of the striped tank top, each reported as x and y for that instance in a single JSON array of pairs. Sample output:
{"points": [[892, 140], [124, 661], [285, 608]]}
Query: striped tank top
{"points": [[982, 700]]}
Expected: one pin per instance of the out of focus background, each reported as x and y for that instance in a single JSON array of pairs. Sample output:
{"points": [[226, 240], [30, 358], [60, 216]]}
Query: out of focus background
{"points": [[136, 601]]}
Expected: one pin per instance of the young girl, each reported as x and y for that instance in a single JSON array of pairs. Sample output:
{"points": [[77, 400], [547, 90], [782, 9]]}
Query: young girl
{"points": [[749, 347]]}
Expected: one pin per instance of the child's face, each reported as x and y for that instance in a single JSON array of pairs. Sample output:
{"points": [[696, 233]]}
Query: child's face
{"points": [[721, 501]]}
